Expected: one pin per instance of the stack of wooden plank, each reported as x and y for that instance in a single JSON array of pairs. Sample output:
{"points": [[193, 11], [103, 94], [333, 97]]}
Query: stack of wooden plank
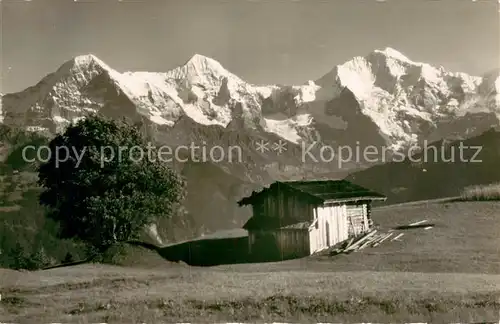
{"points": [[371, 239], [376, 237], [420, 224]]}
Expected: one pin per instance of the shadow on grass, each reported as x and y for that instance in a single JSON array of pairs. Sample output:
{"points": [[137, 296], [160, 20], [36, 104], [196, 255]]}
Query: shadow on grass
{"points": [[199, 252], [69, 264], [204, 252], [209, 252]]}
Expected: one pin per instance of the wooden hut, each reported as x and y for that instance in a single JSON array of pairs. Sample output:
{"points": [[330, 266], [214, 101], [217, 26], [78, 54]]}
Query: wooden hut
{"points": [[298, 218]]}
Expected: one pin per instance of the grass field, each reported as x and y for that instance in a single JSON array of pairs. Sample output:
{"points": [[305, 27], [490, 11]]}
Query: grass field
{"points": [[450, 273]]}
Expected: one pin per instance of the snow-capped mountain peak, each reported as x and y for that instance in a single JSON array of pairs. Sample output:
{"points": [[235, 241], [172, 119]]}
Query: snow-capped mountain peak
{"points": [[81, 64], [86, 59], [202, 60], [381, 67], [201, 69], [394, 54]]}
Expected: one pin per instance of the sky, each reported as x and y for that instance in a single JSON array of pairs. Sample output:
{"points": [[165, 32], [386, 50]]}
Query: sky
{"points": [[263, 42]]}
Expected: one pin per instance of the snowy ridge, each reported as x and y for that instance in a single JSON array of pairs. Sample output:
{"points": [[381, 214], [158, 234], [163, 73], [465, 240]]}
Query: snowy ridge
{"points": [[400, 95], [384, 94], [391, 53]]}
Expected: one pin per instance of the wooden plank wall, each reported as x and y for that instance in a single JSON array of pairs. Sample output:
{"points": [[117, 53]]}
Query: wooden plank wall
{"points": [[293, 243], [283, 203], [331, 228], [333, 221], [251, 240], [357, 215]]}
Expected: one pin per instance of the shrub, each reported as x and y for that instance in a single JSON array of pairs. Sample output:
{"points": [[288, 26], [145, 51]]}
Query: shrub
{"points": [[481, 192]]}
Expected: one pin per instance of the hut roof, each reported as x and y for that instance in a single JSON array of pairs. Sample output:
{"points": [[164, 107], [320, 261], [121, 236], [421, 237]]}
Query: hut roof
{"points": [[268, 223], [320, 191]]}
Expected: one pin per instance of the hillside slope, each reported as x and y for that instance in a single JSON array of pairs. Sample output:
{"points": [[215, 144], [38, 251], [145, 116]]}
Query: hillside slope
{"points": [[441, 172]]}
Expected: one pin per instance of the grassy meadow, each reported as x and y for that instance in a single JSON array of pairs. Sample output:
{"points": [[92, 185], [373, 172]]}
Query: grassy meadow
{"points": [[450, 273]]}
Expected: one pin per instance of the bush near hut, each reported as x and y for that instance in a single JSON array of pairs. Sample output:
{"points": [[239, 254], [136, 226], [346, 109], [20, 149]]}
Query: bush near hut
{"points": [[481, 192]]}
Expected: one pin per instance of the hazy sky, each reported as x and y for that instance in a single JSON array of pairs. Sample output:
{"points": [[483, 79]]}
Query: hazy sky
{"points": [[269, 41]]}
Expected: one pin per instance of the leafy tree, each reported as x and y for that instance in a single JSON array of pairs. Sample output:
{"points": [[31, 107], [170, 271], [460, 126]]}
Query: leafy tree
{"points": [[38, 259], [68, 258], [18, 257], [5, 258], [107, 194]]}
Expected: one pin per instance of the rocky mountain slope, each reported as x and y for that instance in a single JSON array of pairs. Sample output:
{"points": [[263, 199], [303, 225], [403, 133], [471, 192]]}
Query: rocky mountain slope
{"points": [[442, 169], [382, 99]]}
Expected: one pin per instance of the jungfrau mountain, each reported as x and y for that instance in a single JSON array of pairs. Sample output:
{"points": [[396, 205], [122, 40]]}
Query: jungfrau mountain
{"points": [[382, 99]]}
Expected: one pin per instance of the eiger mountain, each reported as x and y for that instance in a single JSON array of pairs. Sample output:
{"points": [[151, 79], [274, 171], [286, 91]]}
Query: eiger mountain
{"points": [[383, 99]]}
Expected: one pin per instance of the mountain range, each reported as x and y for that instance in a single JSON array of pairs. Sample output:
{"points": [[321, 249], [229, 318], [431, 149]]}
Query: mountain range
{"points": [[382, 99], [398, 100]]}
